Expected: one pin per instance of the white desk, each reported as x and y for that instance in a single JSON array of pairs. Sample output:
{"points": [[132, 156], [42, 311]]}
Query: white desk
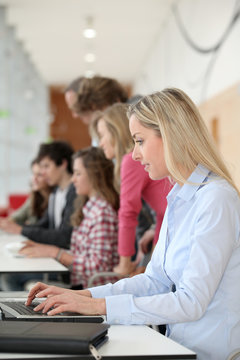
{"points": [[125, 342], [135, 342], [13, 264]]}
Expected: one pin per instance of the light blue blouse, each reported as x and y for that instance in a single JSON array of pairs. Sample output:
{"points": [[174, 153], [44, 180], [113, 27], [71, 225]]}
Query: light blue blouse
{"points": [[192, 282]]}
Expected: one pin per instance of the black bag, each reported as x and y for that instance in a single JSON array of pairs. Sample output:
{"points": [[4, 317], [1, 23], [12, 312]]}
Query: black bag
{"points": [[51, 337]]}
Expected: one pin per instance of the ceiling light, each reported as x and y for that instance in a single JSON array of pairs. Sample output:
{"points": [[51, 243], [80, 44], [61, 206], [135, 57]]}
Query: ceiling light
{"points": [[89, 32], [90, 57]]}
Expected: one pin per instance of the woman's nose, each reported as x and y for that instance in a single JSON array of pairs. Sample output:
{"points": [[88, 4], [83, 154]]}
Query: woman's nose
{"points": [[136, 154]]}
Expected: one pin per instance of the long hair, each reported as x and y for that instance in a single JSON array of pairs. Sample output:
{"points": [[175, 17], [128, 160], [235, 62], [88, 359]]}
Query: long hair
{"points": [[39, 198], [100, 173], [117, 123], [186, 139], [39, 202]]}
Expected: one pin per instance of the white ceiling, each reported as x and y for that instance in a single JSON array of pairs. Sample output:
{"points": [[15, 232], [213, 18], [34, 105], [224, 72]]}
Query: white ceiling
{"points": [[51, 31]]}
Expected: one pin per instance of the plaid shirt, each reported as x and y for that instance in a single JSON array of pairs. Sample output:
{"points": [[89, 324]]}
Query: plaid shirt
{"points": [[94, 242]]}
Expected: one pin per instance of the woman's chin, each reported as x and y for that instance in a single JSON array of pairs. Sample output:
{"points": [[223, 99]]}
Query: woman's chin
{"points": [[154, 177]]}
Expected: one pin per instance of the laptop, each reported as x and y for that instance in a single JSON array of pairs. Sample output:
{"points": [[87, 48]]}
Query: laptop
{"points": [[52, 338], [15, 309]]}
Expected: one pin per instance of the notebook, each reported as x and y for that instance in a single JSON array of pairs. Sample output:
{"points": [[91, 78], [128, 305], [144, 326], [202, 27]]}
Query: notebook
{"points": [[15, 309], [52, 338]]}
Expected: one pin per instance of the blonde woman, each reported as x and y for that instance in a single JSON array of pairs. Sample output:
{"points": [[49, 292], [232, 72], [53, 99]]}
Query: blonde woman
{"points": [[191, 282], [134, 184], [116, 141]]}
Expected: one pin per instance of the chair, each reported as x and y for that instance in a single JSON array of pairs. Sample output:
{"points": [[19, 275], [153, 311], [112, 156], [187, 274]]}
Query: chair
{"points": [[15, 201], [3, 211], [106, 275], [235, 355]]}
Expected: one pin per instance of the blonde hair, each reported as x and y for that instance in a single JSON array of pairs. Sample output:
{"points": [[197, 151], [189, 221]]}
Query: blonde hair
{"points": [[117, 124], [186, 139]]}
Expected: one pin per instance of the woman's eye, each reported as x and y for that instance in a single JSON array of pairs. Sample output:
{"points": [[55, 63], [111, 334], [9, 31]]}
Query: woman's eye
{"points": [[139, 142]]}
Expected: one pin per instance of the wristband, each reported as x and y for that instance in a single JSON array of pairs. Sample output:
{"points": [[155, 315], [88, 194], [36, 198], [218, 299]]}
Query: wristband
{"points": [[59, 254]]}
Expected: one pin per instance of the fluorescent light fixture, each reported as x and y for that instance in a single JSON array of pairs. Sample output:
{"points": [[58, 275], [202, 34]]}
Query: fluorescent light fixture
{"points": [[90, 57], [89, 33]]}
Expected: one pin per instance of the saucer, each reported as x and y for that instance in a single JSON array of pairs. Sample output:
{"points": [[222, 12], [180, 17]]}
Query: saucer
{"points": [[14, 247]]}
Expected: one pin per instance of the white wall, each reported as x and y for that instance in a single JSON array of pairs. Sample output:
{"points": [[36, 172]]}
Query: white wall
{"points": [[172, 62], [24, 113], [215, 88]]}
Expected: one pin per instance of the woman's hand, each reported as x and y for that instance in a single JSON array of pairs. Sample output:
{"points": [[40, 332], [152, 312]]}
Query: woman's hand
{"points": [[10, 226], [145, 241], [125, 266], [73, 302], [41, 290], [32, 249]]}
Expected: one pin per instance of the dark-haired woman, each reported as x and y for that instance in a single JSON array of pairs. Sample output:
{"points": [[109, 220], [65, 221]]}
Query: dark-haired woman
{"points": [[37, 202], [94, 238]]}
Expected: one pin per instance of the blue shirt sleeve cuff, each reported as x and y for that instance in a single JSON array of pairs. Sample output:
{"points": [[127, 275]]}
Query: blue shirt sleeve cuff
{"points": [[119, 309]]}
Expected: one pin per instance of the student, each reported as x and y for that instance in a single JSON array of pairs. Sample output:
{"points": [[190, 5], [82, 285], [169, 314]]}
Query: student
{"points": [[85, 96], [94, 94], [54, 227], [70, 95], [36, 204], [192, 279], [94, 238], [112, 127]]}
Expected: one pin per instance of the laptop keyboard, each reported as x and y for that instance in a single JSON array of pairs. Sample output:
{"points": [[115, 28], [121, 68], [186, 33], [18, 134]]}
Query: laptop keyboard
{"points": [[22, 309], [27, 311]]}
